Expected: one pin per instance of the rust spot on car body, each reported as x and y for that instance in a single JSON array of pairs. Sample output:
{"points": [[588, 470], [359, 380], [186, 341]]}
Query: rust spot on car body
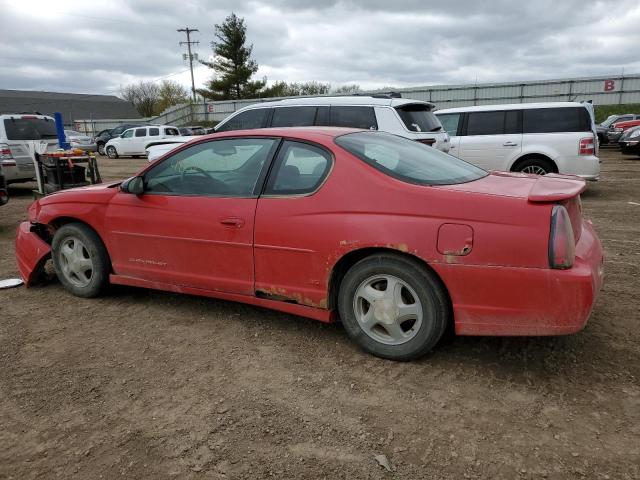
{"points": [[281, 295]]}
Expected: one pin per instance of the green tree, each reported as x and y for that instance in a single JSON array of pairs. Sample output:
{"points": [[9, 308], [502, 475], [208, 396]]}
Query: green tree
{"points": [[171, 93], [233, 66]]}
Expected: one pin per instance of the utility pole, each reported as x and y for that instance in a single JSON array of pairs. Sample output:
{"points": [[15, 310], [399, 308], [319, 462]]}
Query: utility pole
{"points": [[188, 43]]}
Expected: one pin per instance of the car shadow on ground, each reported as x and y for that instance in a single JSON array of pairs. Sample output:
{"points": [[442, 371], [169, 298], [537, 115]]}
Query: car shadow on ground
{"points": [[520, 360]]}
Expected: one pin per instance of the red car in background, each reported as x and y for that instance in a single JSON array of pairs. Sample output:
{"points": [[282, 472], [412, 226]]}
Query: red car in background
{"points": [[617, 129], [396, 239]]}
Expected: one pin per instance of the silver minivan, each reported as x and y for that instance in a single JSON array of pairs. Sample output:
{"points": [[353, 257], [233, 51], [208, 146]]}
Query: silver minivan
{"points": [[413, 119], [537, 138], [16, 131]]}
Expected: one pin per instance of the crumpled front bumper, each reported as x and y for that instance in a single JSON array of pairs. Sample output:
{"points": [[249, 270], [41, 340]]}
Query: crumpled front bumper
{"points": [[31, 253]]}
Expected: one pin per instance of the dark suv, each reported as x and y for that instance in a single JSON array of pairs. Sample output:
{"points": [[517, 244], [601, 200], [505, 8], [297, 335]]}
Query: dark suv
{"points": [[105, 135], [4, 195]]}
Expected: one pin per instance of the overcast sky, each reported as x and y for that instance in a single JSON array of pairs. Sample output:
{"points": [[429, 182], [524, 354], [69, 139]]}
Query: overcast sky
{"points": [[95, 47]]}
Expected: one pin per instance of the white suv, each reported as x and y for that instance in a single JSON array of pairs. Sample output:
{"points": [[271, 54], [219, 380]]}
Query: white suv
{"points": [[16, 131], [134, 141], [534, 138], [411, 119]]}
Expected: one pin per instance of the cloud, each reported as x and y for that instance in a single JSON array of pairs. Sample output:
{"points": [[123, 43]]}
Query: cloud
{"points": [[94, 47]]}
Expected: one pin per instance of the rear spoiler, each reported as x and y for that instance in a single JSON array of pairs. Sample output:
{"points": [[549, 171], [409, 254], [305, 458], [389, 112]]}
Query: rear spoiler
{"points": [[553, 188]]}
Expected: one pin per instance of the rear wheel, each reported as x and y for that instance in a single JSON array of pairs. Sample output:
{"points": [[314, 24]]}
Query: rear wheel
{"points": [[101, 148], [393, 307], [80, 260], [112, 152], [536, 166]]}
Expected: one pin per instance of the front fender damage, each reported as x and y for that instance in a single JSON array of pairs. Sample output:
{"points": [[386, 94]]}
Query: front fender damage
{"points": [[32, 252]]}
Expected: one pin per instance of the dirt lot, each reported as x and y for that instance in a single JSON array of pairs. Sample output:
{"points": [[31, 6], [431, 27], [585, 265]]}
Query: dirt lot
{"points": [[145, 384]]}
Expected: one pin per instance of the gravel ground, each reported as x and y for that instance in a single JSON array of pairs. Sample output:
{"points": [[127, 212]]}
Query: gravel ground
{"points": [[146, 384]]}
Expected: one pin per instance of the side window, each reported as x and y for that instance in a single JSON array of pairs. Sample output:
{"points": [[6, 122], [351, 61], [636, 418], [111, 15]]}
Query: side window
{"points": [[485, 123], [172, 132], [512, 122], [254, 118], [141, 132], [128, 134], [556, 120], [154, 132], [293, 116], [300, 168], [450, 123], [117, 131], [322, 116], [229, 168], [353, 117]]}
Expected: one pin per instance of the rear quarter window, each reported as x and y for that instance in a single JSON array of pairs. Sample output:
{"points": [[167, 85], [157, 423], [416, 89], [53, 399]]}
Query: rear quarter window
{"points": [[353, 117], [408, 160], [556, 120]]}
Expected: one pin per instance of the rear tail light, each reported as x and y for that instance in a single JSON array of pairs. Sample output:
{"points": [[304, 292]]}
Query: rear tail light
{"points": [[427, 141], [5, 152], [562, 245], [587, 146]]}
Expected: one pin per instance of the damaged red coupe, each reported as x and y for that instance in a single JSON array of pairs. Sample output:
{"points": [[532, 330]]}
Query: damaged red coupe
{"points": [[394, 238]]}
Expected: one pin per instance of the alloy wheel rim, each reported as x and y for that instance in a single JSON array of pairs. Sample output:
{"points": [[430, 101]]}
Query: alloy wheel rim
{"points": [[534, 169], [101, 149], [388, 309], [111, 152], [76, 262]]}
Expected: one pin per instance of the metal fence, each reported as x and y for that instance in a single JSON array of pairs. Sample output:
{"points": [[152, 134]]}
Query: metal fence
{"points": [[610, 90]]}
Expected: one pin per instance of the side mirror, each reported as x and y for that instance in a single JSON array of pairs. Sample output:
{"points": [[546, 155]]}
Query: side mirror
{"points": [[134, 186]]}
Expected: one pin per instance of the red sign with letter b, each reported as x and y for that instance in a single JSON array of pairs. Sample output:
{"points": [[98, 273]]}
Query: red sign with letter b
{"points": [[609, 85]]}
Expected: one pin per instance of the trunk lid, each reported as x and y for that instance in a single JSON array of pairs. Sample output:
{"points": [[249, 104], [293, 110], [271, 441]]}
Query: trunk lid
{"points": [[564, 190]]}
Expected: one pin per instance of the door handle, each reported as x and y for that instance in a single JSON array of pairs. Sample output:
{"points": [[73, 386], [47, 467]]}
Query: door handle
{"points": [[510, 144], [232, 222]]}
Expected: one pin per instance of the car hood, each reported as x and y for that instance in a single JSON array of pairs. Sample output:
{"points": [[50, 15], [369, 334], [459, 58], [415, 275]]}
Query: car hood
{"points": [[534, 188], [89, 194]]}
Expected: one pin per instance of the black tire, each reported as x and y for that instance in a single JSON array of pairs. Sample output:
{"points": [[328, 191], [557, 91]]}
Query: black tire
{"points": [[428, 288], [111, 152], [92, 250], [536, 166], [101, 149]]}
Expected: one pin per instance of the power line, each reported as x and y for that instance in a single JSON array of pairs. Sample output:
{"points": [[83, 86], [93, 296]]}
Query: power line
{"points": [[188, 43]]}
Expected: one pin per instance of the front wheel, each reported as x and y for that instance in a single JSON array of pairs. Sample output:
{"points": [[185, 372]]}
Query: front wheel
{"points": [[112, 152], [80, 260], [101, 148], [393, 307]]}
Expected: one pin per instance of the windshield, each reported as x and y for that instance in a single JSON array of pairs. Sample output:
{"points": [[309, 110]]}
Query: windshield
{"points": [[408, 160], [610, 119], [419, 118], [30, 128]]}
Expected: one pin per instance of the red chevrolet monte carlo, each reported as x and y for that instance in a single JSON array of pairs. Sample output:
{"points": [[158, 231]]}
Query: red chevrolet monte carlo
{"points": [[393, 237]]}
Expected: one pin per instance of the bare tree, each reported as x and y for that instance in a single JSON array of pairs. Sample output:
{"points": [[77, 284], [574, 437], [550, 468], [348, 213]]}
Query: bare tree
{"points": [[144, 96], [171, 93], [346, 89]]}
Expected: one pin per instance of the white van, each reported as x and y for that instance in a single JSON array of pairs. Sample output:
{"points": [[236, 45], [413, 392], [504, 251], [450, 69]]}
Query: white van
{"points": [[16, 132], [134, 141], [537, 138], [407, 118]]}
